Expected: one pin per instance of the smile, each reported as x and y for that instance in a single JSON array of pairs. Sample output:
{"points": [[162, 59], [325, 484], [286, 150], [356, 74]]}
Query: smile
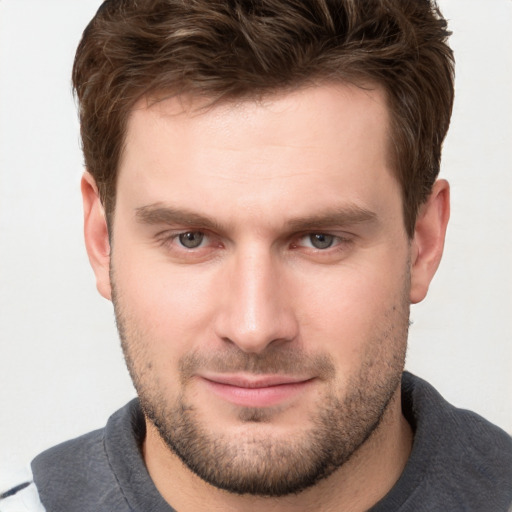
{"points": [[259, 391]]}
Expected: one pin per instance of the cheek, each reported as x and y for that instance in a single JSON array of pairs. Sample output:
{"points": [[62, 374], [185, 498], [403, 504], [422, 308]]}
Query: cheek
{"points": [[164, 308], [158, 287], [356, 310]]}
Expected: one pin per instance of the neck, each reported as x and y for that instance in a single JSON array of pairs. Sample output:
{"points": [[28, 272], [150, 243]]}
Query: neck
{"points": [[361, 482]]}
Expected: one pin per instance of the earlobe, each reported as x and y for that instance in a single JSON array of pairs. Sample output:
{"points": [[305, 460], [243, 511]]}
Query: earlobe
{"points": [[428, 241], [96, 234]]}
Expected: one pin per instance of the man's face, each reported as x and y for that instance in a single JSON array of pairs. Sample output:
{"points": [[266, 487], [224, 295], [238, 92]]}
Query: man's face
{"points": [[260, 276]]}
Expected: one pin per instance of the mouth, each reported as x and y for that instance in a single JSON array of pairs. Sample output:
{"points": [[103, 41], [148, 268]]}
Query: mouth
{"points": [[256, 390]]}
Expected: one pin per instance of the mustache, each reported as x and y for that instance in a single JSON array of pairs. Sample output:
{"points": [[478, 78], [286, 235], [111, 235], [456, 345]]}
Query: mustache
{"points": [[281, 361]]}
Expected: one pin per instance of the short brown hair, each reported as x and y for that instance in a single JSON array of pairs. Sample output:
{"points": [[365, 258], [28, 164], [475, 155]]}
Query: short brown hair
{"points": [[228, 49]]}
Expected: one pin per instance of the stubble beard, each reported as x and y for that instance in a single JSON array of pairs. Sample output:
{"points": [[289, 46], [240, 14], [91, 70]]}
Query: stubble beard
{"points": [[253, 462]]}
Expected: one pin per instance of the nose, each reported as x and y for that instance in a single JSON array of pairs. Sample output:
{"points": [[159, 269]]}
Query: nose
{"points": [[255, 303]]}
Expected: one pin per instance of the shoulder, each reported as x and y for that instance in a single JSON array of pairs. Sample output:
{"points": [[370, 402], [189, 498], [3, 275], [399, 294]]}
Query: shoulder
{"points": [[62, 478], [460, 457], [457, 429], [79, 474], [59, 460]]}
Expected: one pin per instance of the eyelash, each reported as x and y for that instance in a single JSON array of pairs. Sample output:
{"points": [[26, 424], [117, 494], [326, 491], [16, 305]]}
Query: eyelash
{"points": [[167, 239], [336, 240], [171, 240]]}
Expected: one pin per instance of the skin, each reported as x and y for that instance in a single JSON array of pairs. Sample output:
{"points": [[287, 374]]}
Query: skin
{"points": [[257, 178]]}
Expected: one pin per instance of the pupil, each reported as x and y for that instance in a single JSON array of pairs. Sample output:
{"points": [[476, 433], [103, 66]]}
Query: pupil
{"points": [[191, 239], [321, 241]]}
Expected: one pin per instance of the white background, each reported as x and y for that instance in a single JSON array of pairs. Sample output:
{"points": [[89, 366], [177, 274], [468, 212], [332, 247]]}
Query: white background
{"points": [[61, 368]]}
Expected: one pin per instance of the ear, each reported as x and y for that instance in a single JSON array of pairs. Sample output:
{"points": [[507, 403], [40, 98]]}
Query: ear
{"points": [[96, 234], [428, 241]]}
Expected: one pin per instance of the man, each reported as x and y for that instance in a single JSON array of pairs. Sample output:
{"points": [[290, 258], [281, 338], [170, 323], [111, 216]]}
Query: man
{"points": [[261, 207]]}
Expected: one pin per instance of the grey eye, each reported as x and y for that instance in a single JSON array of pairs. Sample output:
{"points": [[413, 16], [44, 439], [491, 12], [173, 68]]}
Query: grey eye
{"points": [[191, 239], [321, 240]]}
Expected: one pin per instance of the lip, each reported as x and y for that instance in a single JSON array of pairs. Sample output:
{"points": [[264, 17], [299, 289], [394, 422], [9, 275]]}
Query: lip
{"points": [[256, 390]]}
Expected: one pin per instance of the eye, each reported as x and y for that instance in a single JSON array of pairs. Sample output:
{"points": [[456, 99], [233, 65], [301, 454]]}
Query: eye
{"points": [[320, 240], [191, 239]]}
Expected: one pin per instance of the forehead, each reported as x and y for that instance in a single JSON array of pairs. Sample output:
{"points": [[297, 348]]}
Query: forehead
{"points": [[325, 142], [319, 104]]}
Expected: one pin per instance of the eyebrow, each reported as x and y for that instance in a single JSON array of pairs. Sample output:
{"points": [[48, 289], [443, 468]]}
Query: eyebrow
{"points": [[161, 214], [346, 215]]}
